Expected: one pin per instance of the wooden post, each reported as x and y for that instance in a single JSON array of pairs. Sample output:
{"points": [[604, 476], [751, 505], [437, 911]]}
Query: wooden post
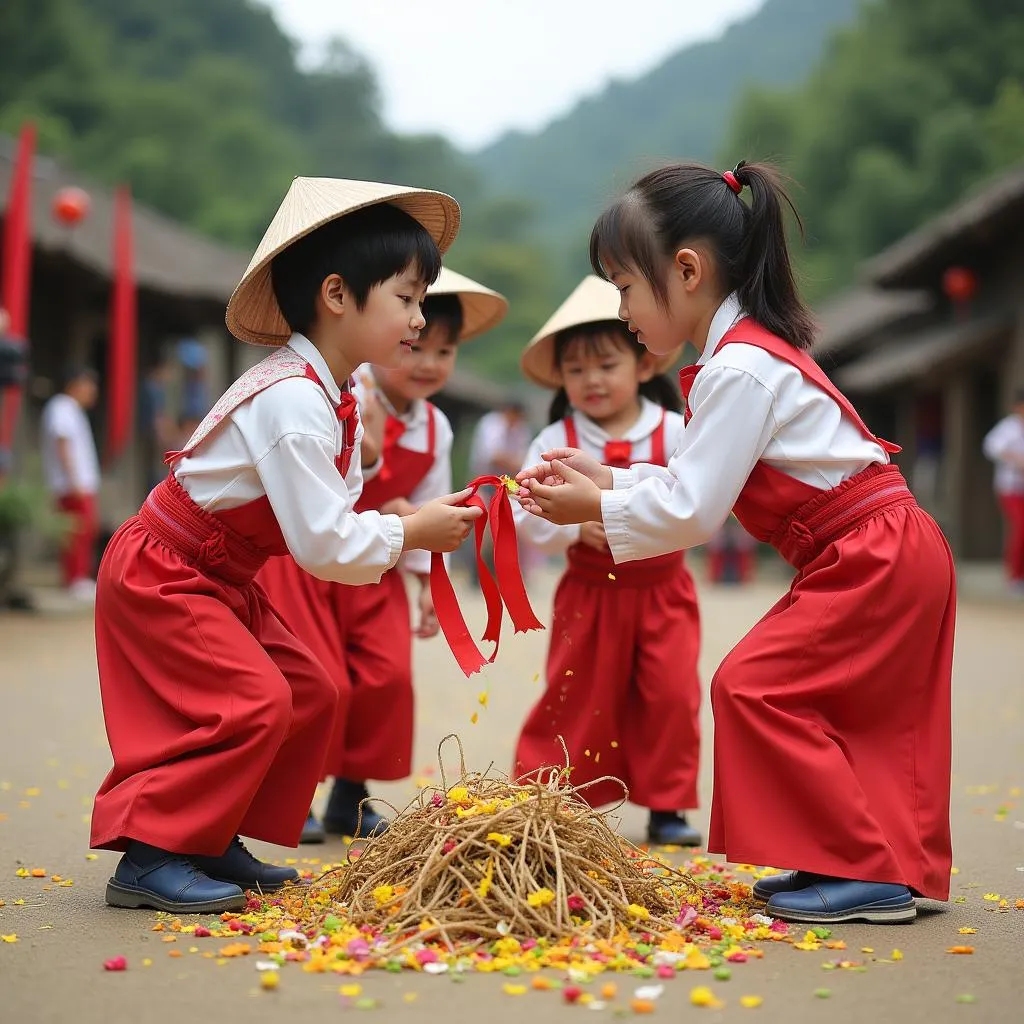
{"points": [[956, 478]]}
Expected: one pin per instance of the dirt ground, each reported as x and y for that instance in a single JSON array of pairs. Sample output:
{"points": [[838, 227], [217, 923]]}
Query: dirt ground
{"points": [[53, 753]]}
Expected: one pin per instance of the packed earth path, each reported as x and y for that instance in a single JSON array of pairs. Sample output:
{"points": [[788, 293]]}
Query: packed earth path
{"points": [[958, 961]]}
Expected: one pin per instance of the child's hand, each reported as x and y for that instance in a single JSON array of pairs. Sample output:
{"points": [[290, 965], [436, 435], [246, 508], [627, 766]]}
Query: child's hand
{"points": [[572, 498], [427, 626], [441, 524], [579, 461], [593, 535]]}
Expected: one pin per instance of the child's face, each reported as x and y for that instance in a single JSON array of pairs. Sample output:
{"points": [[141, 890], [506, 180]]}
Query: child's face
{"points": [[602, 380], [661, 329], [422, 370], [389, 323]]}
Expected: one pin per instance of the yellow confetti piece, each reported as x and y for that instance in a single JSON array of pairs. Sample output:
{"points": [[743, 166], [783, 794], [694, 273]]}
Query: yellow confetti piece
{"points": [[499, 838], [383, 894], [63, 784], [992, 897], [147, 962], [702, 996], [954, 871], [409, 997], [482, 698], [641, 913], [514, 990], [897, 954], [968, 931], [32, 791], [291, 860], [474, 718], [750, 1002], [614, 744], [9, 938], [350, 991], [22, 873], [24, 804], [269, 980], [867, 949], [540, 898], [568, 672], [92, 856], [611, 576]]}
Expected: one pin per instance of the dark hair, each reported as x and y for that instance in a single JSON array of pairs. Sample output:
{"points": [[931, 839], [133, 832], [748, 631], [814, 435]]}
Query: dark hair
{"points": [[75, 372], [591, 336], [687, 203], [364, 248], [444, 312]]}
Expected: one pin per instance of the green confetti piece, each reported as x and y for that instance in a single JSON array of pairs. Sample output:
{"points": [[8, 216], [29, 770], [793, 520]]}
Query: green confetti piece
{"points": [[643, 949], [822, 933], [965, 998], [366, 1004], [723, 973], [644, 972], [823, 993], [513, 971]]}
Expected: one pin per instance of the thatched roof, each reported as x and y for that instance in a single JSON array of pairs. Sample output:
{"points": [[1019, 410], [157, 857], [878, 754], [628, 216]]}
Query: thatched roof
{"points": [[170, 259], [977, 222], [860, 312], [914, 356]]}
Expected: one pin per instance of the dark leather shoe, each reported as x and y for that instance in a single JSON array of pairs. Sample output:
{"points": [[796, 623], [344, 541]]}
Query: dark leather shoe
{"points": [[238, 865], [170, 882], [789, 881], [839, 899], [669, 829], [312, 831], [343, 811]]}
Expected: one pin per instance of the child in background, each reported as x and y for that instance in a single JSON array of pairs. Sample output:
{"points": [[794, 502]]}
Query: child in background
{"points": [[622, 683], [363, 635], [218, 718], [832, 715]]}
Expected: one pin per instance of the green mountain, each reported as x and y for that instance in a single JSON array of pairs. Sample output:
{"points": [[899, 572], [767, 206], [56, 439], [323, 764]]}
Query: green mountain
{"points": [[680, 110]]}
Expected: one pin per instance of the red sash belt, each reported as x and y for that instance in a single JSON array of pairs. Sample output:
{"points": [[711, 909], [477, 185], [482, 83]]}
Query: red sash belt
{"points": [[828, 516], [507, 591], [199, 537], [599, 569]]}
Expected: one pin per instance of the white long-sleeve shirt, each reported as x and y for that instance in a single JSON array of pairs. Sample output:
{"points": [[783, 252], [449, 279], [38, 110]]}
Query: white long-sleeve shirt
{"points": [[416, 438], [748, 405], [1004, 445], [591, 438], [283, 443]]}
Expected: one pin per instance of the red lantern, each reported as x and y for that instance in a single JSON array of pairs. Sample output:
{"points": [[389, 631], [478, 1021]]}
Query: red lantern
{"points": [[71, 206], [959, 284]]}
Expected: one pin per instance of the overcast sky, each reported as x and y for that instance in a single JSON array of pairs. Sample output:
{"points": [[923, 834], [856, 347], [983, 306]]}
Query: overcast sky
{"points": [[472, 69]]}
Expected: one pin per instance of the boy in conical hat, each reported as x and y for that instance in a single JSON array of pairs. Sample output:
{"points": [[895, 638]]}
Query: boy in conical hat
{"points": [[363, 635], [218, 717]]}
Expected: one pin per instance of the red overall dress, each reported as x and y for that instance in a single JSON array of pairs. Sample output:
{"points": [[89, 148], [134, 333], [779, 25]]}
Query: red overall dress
{"points": [[362, 635], [622, 683], [832, 715], [218, 718]]}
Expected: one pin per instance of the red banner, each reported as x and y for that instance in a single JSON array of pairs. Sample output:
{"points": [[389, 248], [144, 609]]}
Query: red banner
{"points": [[17, 265], [123, 341], [507, 591]]}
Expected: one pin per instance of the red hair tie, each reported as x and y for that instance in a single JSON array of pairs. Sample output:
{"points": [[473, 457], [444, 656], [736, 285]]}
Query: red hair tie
{"points": [[732, 181]]}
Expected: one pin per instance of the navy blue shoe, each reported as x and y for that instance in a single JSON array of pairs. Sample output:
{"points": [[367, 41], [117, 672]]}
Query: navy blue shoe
{"points": [[342, 817], [789, 881], [839, 899], [238, 865], [667, 828], [150, 877], [312, 831]]}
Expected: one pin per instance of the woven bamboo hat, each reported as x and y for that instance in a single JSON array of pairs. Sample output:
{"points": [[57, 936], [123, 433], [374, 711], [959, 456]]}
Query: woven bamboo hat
{"points": [[482, 308], [593, 301], [253, 314]]}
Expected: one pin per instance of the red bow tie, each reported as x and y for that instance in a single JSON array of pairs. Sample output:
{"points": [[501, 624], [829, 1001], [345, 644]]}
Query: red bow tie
{"points": [[618, 453], [347, 406], [394, 428], [686, 375]]}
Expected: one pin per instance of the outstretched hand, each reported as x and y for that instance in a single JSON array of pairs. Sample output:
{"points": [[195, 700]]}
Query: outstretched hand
{"points": [[560, 494]]}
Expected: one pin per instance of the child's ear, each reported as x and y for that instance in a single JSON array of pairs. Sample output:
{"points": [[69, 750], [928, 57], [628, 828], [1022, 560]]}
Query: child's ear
{"points": [[645, 368], [333, 294]]}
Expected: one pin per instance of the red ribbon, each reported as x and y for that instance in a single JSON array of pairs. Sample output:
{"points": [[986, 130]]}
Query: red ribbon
{"points": [[618, 453], [394, 428], [507, 591]]}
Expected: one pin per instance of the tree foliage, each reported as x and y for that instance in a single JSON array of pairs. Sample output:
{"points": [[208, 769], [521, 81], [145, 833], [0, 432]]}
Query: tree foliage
{"points": [[907, 109]]}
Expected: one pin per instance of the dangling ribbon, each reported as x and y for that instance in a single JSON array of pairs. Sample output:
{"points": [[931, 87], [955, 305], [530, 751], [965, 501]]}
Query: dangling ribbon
{"points": [[394, 428], [507, 591]]}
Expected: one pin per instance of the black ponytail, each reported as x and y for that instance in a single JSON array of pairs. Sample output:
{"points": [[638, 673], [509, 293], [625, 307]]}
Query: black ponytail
{"points": [[686, 203]]}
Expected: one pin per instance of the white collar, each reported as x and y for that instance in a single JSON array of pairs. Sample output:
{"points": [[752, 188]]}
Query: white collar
{"points": [[725, 317], [645, 425], [413, 417], [305, 348]]}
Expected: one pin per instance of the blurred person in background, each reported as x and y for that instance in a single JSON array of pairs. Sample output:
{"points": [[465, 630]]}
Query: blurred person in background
{"points": [[71, 469], [1004, 445]]}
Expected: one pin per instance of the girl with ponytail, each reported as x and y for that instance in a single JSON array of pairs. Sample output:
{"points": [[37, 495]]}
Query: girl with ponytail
{"points": [[832, 715]]}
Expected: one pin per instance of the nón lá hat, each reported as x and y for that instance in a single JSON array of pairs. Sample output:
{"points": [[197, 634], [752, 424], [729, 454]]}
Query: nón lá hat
{"points": [[253, 314], [482, 308], [593, 301]]}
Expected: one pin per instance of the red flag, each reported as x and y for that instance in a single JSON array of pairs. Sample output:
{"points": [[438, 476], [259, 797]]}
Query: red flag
{"points": [[123, 340], [17, 264]]}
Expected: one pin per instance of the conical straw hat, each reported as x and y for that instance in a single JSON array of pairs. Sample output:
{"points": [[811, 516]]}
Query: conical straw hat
{"points": [[482, 308], [253, 314], [593, 301]]}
